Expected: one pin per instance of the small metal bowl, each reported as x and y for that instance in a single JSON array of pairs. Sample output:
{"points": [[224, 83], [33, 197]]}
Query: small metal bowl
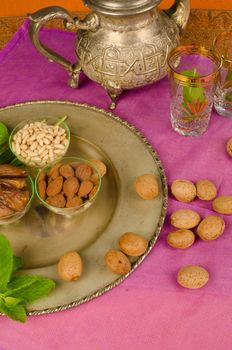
{"points": [[6, 220], [49, 161], [69, 212]]}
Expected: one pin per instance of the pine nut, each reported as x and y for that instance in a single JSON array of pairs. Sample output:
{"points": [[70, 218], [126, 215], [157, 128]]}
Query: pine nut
{"points": [[60, 146], [57, 140], [41, 149], [38, 143]]}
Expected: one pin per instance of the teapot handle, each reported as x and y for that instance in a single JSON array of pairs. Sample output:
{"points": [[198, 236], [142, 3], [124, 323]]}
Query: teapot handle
{"points": [[39, 18], [179, 12]]}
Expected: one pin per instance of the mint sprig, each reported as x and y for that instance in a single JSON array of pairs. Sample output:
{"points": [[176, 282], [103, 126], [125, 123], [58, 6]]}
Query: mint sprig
{"points": [[6, 263], [6, 156], [15, 312], [17, 263], [17, 290], [4, 134], [192, 93]]}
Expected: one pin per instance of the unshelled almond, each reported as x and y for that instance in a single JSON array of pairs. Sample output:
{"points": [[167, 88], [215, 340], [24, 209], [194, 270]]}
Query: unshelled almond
{"points": [[185, 219], [193, 277], [206, 190], [183, 190], [117, 262], [146, 186], [70, 266], [223, 205], [181, 239], [211, 227], [133, 244]]}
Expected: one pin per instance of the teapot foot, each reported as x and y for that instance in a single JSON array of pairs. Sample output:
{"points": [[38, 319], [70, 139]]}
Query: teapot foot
{"points": [[113, 96], [75, 75]]}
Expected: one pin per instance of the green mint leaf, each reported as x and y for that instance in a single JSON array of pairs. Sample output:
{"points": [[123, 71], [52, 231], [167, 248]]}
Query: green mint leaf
{"points": [[192, 93], [29, 288], [4, 134], [6, 157], [3, 148], [6, 262], [16, 162], [229, 75], [15, 312], [17, 262], [20, 282], [11, 301]]}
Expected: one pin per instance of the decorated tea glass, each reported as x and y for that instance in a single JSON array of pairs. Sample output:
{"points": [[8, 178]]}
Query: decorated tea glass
{"points": [[223, 96], [193, 74]]}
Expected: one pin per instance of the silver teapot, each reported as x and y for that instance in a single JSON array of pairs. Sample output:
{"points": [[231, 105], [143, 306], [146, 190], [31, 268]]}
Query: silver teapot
{"points": [[121, 45]]}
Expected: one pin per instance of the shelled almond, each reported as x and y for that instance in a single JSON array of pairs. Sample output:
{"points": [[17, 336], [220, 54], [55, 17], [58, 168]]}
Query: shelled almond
{"points": [[68, 185]]}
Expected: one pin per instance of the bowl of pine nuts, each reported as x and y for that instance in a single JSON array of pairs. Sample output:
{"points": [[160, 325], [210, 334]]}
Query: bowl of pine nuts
{"points": [[40, 143]]}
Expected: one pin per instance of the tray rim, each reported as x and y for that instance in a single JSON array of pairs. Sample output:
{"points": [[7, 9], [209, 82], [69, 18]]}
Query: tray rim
{"points": [[163, 178]]}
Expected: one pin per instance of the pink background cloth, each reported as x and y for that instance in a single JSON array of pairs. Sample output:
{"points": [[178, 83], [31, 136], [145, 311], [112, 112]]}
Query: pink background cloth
{"points": [[149, 310]]}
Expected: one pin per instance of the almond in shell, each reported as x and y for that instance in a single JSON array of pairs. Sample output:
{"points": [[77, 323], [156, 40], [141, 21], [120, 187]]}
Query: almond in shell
{"points": [[229, 147], [117, 262], [223, 205], [206, 190], [193, 277], [146, 186], [70, 266], [181, 239], [185, 219], [211, 227], [183, 190], [133, 244]]}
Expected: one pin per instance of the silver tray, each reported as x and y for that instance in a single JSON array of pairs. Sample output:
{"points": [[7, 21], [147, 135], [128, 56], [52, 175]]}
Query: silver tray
{"points": [[41, 237]]}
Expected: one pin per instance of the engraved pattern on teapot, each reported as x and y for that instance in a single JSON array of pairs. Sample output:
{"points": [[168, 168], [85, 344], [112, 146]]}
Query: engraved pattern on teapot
{"points": [[126, 66], [120, 49]]}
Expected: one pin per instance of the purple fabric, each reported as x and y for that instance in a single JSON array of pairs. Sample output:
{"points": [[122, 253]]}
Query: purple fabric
{"points": [[149, 310]]}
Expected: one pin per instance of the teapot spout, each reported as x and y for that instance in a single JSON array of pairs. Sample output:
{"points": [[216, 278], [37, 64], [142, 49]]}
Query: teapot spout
{"points": [[179, 12]]}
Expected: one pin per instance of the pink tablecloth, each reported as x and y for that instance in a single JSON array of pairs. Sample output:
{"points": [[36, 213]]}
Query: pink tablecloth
{"points": [[149, 310]]}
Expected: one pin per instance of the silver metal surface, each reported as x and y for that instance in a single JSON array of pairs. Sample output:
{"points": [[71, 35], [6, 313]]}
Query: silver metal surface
{"points": [[118, 52], [121, 7], [41, 236]]}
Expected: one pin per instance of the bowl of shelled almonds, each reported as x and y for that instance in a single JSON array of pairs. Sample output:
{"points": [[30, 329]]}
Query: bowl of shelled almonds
{"points": [[68, 187]]}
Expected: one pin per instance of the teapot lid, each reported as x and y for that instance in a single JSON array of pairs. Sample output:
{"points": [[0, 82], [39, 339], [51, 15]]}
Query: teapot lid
{"points": [[121, 7]]}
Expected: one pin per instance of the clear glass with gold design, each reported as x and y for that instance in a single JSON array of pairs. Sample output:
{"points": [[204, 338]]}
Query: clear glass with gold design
{"points": [[193, 74], [223, 95]]}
